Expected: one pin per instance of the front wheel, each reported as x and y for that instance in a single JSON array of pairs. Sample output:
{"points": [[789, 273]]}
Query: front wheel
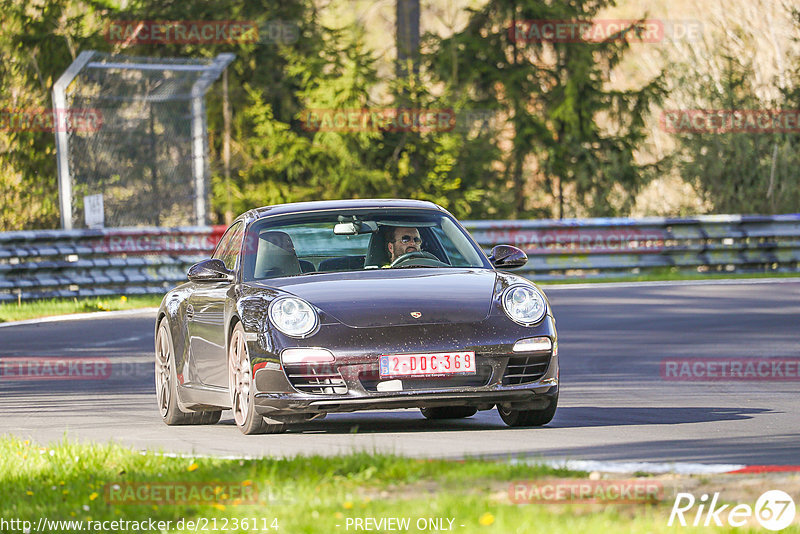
{"points": [[240, 381], [528, 417]]}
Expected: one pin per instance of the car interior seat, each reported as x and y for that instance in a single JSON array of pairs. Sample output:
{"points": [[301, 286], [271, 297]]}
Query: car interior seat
{"points": [[377, 254], [276, 255]]}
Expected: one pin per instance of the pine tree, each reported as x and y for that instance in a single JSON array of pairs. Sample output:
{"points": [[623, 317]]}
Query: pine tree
{"points": [[560, 113]]}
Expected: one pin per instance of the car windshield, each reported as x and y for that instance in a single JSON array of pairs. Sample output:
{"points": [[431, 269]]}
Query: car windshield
{"points": [[356, 240]]}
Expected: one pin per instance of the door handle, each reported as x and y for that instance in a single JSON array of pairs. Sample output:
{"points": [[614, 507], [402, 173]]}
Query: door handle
{"points": [[189, 311]]}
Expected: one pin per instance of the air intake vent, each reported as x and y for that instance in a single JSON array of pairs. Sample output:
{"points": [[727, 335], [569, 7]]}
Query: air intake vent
{"points": [[526, 369], [319, 378]]}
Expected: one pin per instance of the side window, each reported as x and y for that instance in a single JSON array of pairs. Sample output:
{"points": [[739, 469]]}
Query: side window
{"points": [[230, 245]]}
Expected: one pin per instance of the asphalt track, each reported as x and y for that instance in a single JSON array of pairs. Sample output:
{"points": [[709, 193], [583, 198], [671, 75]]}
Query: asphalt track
{"points": [[615, 405]]}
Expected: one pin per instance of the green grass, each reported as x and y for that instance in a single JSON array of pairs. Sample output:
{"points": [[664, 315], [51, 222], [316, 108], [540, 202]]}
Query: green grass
{"points": [[12, 311], [305, 494], [662, 275]]}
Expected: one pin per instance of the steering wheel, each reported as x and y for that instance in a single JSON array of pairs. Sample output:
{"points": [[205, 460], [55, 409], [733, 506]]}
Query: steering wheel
{"points": [[417, 255]]}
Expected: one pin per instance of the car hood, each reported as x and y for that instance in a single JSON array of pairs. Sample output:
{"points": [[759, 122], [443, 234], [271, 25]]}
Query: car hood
{"points": [[388, 297]]}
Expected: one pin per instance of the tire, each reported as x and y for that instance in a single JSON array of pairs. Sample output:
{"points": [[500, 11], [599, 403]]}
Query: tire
{"points": [[449, 412], [240, 379], [167, 385], [528, 417]]}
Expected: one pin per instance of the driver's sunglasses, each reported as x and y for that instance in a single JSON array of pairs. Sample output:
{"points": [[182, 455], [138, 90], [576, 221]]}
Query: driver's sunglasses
{"points": [[408, 239]]}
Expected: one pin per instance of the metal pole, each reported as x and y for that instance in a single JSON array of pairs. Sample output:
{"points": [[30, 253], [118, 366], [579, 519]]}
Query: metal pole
{"points": [[62, 137], [199, 158], [200, 134], [226, 147]]}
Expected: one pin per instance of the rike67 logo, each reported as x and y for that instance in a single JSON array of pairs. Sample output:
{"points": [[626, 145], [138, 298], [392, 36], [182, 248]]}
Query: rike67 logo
{"points": [[774, 510]]}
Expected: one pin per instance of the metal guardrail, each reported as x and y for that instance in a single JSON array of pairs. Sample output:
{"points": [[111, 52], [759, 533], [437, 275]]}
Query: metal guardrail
{"points": [[85, 263], [79, 263], [618, 247]]}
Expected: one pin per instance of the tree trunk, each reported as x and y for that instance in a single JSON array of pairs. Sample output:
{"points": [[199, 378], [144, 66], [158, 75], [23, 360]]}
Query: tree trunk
{"points": [[407, 37]]}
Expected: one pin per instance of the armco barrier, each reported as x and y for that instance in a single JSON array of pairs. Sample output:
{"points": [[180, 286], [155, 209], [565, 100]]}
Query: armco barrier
{"points": [[82, 263], [57, 263], [614, 247]]}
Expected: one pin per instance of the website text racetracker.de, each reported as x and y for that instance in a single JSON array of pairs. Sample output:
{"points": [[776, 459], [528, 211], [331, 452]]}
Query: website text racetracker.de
{"points": [[199, 524], [44, 524]]}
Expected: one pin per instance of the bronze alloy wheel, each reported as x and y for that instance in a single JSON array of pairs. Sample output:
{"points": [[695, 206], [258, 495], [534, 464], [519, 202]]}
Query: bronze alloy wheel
{"points": [[240, 380]]}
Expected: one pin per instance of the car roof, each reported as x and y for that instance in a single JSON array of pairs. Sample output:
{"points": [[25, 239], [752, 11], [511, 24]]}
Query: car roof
{"points": [[322, 205]]}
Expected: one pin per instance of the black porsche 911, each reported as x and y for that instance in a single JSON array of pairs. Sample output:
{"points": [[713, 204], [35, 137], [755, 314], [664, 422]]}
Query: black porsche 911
{"points": [[310, 308]]}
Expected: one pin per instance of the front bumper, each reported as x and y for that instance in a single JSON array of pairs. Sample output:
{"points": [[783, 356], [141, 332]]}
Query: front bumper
{"points": [[536, 397], [351, 383]]}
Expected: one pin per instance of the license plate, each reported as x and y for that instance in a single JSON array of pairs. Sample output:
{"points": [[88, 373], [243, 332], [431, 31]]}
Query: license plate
{"points": [[434, 364]]}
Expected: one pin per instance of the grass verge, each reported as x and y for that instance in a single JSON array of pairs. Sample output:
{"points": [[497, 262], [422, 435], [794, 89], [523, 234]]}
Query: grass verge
{"points": [[83, 483], [12, 311]]}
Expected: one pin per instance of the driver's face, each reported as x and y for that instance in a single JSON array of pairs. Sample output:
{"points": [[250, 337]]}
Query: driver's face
{"points": [[405, 240]]}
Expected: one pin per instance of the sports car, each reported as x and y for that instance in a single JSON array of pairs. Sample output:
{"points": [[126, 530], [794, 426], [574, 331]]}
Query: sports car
{"points": [[313, 308]]}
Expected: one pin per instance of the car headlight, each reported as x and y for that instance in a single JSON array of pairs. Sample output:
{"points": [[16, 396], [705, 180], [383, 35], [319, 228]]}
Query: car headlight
{"points": [[524, 304], [293, 316]]}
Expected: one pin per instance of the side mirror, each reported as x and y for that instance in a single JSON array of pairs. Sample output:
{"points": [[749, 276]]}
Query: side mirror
{"points": [[507, 257], [212, 270]]}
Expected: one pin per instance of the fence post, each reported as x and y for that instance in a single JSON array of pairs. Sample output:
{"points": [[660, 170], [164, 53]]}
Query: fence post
{"points": [[62, 139]]}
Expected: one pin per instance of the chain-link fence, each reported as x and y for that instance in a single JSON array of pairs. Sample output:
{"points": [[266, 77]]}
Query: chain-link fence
{"points": [[133, 130]]}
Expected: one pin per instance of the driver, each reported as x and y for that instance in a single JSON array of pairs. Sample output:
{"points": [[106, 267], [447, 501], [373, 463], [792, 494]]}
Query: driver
{"points": [[402, 241]]}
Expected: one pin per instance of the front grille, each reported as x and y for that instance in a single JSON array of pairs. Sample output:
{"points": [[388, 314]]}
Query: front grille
{"points": [[526, 369], [321, 379]]}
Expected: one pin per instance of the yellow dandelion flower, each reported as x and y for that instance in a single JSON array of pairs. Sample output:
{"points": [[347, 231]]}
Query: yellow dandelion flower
{"points": [[486, 519], [219, 506], [247, 483], [93, 496], [29, 492], [192, 467], [347, 505], [338, 515], [123, 298]]}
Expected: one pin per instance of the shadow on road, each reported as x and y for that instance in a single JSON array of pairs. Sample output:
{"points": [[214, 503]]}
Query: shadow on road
{"points": [[566, 417], [750, 450], [591, 416]]}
